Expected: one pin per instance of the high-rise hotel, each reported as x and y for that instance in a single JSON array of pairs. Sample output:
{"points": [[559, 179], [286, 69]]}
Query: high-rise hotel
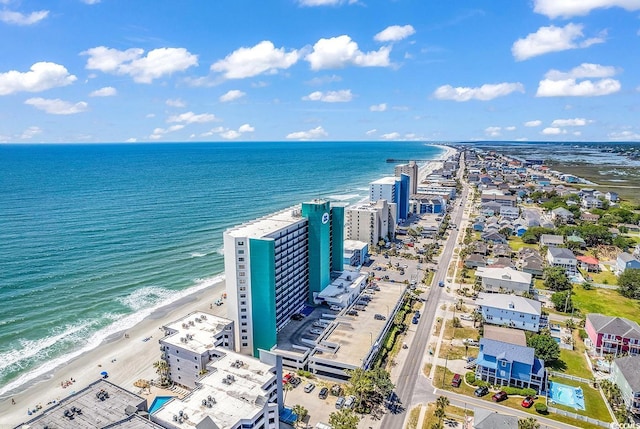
{"points": [[275, 265]]}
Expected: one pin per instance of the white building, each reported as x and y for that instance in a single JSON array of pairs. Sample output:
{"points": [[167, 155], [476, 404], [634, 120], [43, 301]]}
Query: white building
{"points": [[355, 253], [370, 222], [345, 289], [562, 257], [385, 188], [504, 280], [411, 170], [510, 311], [237, 392], [191, 342]]}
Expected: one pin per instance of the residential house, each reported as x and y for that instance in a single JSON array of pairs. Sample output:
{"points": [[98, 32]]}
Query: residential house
{"points": [[488, 419], [562, 215], [504, 280], [501, 250], [510, 310], [612, 197], [625, 374], [591, 203], [589, 263], [612, 335], [502, 262], [626, 260], [503, 363], [551, 240], [493, 237], [533, 265], [589, 217], [509, 212], [576, 240], [479, 247], [561, 257], [490, 209], [503, 200], [475, 260]]}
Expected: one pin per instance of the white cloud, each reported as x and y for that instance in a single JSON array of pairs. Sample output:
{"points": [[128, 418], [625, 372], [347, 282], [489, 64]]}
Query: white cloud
{"points": [[577, 133], [575, 122], [150, 115], [230, 134], [391, 136], [510, 128], [40, 77], [159, 132], [143, 69], [394, 33], [315, 133], [378, 107], [246, 128], [553, 131], [371, 132], [192, 118], [624, 136], [569, 8], [552, 39], [492, 131], [565, 84], [57, 106], [261, 58], [17, 18], [177, 102], [535, 123], [484, 93], [131, 140], [91, 1], [341, 51], [311, 3], [231, 95], [324, 80], [107, 91], [342, 96], [30, 132]]}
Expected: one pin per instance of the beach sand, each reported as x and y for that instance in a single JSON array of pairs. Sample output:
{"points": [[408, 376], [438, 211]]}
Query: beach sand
{"points": [[431, 166], [126, 360]]}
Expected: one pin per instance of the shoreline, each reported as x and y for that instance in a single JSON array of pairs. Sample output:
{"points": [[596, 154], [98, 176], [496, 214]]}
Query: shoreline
{"points": [[126, 359]]}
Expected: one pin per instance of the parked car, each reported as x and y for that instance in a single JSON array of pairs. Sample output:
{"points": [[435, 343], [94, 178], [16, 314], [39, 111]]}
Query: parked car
{"points": [[309, 387], [471, 342], [295, 381], [379, 316], [297, 316], [455, 382], [441, 283], [352, 313], [527, 402], [340, 402], [500, 396], [481, 391], [417, 314], [414, 320], [324, 392], [316, 331], [319, 324], [335, 308], [286, 378], [349, 402]]}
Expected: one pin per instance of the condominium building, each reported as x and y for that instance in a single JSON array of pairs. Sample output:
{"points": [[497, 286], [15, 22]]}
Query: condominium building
{"points": [[276, 264], [394, 190], [411, 170], [370, 222]]}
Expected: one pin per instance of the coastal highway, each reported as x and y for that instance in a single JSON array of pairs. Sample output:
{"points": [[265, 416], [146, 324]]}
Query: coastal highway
{"points": [[410, 376]]}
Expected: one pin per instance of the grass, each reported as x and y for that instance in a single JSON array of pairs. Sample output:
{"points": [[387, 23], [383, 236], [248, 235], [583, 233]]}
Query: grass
{"points": [[414, 415], [427, 369], [604, 277], [593, 402], [606, 301], [451, 413], [438, 326], [516, 401], [575, 364], [516, 244], [465, 332], [464, 388]]}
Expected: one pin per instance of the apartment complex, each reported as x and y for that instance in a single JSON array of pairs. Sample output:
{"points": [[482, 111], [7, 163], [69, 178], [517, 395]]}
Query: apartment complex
{"points": [[394, 190], [276, 264], [411, 169], [370, 222]]}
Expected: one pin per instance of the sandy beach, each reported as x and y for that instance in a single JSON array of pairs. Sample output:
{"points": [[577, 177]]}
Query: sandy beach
{"points": [[126, 359], [431, 166]]}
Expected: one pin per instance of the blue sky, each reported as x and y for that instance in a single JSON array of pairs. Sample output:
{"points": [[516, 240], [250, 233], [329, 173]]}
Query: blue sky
{"points": [[249, 70]]}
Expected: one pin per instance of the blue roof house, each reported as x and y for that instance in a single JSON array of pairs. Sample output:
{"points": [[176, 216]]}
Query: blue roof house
{"points": [[504, 364]]}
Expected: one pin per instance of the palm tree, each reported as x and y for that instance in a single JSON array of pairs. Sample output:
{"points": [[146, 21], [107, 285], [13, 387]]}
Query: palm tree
{"points": [[162, 369], [528, 423], [442, 402], [439, 414], [344, 419], [301, 412]]}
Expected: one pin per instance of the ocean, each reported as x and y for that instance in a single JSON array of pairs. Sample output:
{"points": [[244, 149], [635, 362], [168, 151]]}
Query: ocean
{"points": [[95, 237]]}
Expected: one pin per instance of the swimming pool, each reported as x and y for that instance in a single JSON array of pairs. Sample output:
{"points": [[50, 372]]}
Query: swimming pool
{"points": [[566, 395], [158, 402]]}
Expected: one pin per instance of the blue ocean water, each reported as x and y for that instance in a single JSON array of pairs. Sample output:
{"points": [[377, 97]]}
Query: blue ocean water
{"points": [[93, 238]]}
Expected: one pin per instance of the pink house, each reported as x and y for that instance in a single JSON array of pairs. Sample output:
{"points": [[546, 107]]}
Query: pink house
{"points": [[612, 335]]}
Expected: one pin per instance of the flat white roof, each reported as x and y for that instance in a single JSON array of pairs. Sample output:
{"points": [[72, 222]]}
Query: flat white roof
{"points": [[198, 328], [269, 224], [242, 398], [509, 302], [354, 244], [343, 285], [389, 180], [506, 273]]}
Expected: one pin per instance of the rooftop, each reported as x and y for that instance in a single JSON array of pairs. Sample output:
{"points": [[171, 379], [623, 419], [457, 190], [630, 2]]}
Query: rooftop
{"points": [[626, 257], [506, 351], [561, 252], [389, 180], [487, 419], [506, 335], [354, 244], [264, 226], [195, 331], [629, 368], [343, 285], [618, 326], [509, 302], [233, 387], [504, 274]]}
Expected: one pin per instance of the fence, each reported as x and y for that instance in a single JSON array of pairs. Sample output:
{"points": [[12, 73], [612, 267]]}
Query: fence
{"points": [[580, 417], [571, 377]]}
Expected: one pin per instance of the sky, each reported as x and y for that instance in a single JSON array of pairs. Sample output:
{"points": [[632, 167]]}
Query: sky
{"points": [[329, 70]]}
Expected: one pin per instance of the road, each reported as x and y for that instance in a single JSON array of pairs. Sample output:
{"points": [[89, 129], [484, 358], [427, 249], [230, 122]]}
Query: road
{"points": [[411, 371]]}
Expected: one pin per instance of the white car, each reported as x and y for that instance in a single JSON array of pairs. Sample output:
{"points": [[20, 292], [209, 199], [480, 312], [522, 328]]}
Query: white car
{"points": [[466, 317], [335, 308], [316, 331], [319, 324]]}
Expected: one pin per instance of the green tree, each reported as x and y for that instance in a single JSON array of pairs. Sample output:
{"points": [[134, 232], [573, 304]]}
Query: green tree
{"points": [[528, 423], [344, 419], [442, 402], [162, 369], [562, 301], [629, 283], [369, 385], [545, 347], [532, 235], [300, 412], [556, 279]]}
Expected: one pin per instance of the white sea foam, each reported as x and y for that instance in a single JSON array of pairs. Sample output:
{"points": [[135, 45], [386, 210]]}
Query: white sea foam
{"points": [[120, 324], [343, 197], [198, 255], [145, 297], [220, 250]]}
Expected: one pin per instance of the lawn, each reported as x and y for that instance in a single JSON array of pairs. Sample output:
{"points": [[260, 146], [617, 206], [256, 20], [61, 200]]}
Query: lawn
{"points": [[414, 415], [516, 244], [593, 402], [603, 277], [452, 413], [461, 333], [457, 352], [606, 301]]}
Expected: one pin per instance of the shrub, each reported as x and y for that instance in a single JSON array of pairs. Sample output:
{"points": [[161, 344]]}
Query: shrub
{"points": [[540, 407], [519, 391], [470, 378], [583, 334], [303, 373]]}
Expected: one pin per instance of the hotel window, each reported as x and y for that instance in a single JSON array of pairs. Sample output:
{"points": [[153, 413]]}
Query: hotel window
{"points": [[241, 273], [244, 337], [243, 302], [240, 243], [241, 267], [242, 288], [245, 344], [244, 323], [240, 259], [244, 331], [243, 295], [240, 252], [243, 316]]}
